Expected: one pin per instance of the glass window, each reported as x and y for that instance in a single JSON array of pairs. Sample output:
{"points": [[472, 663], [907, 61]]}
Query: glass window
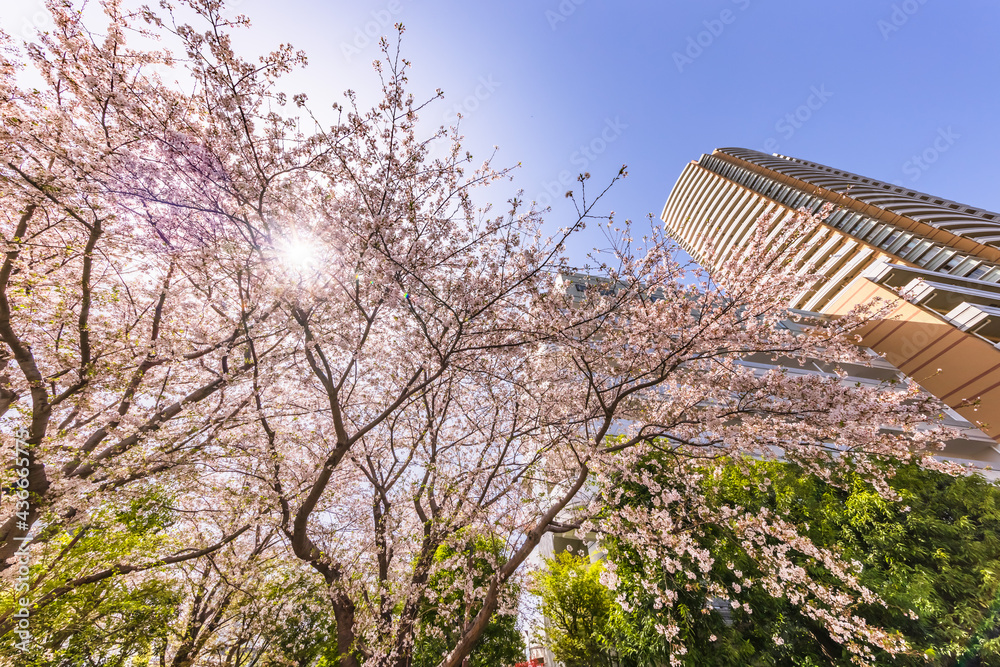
{"points": [[876, 235], [952, 262], [931, 254], [965, 267], [835, 218], [979, 272], [901, 241], [909, 245], [993, 275], [863, 227], [916, 251], [851, 222]]}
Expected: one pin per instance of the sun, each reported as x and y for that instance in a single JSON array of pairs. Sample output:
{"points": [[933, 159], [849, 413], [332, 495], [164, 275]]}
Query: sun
{"points": [[299, 254]]}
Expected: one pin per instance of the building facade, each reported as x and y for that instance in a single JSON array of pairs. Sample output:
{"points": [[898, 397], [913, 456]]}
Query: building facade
{"points": [[937, 261]]}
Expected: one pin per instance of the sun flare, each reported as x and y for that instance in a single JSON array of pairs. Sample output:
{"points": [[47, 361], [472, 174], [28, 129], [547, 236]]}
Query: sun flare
{"points": [[299, 254]]}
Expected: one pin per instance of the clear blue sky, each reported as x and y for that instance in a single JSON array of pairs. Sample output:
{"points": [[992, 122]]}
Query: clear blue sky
{"points": [[887, 80]]}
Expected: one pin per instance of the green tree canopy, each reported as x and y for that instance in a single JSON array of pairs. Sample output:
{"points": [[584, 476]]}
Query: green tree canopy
{"points": [[932, 555], [577, 608], [443, 616]]}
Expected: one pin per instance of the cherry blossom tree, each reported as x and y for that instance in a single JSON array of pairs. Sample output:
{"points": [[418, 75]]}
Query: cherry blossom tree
{"points": [[128, 354], [200, 293]]}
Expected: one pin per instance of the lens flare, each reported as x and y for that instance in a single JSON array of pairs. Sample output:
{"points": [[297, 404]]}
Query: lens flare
{"points": [[299, 254]]}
